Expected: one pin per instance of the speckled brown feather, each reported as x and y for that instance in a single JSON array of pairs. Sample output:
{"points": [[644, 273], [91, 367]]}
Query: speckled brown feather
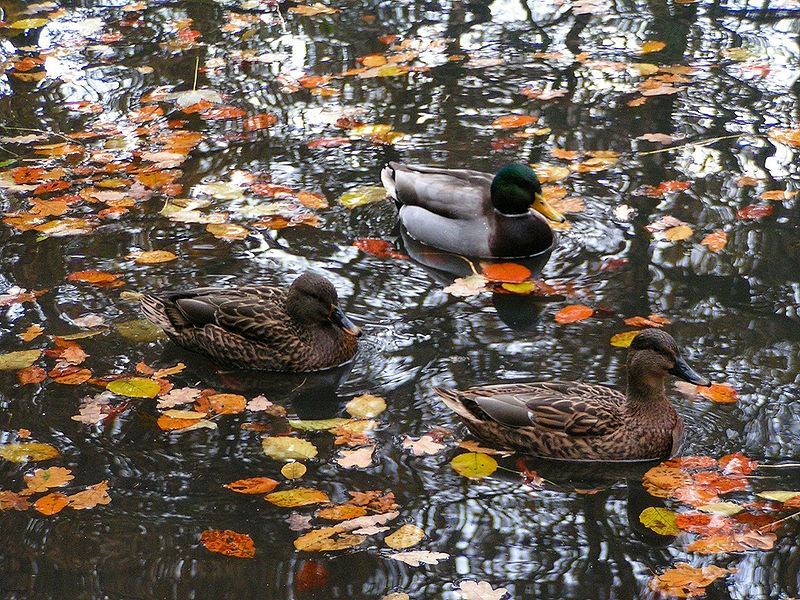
{"points": [[251, 329], [569, 420]]}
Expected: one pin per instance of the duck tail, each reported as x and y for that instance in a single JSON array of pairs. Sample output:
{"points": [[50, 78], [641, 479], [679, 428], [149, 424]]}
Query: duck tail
{"points": [[452, 400], [387, 178], [155, 310]]}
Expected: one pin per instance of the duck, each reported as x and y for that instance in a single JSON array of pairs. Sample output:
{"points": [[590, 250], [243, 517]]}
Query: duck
{"points": [[299, 329], [577, 421], [473, 213]]}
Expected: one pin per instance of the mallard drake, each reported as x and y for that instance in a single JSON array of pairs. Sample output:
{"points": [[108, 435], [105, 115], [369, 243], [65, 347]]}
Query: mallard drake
{"points": [[473, 213], [582, 421], [264, 328]]}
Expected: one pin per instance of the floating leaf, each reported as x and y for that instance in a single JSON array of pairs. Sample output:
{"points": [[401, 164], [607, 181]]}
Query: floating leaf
{"points": [[573, 313], [227, 404], [92, 496], [755, 211], [327, 539], [342, 512], [366, 406], [288, 448], [30, 375], [317, 424], [777, 195], [100, 278], [506, 272], [361, 195], [51, 504], [467, 286], [624, 339], [43, 479], [715, 241], [424, 445], [253, 485], [778, 495], [20, 359], [405, 537], [790, 137], [360, 458], [229, 543], [474, 465], [134, 387], [480, 590], [721, 508], [293, 470], [33, 23], [513, 121], [153, 257], [28, 452], [227, 231], [416, 557], [313, 10], [660, 520], [722, 393], [686, 581], [140, 331], [675, 234], [297, 497]]}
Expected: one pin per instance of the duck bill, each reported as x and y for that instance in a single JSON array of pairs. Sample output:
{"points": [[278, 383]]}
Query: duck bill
{"points": [[687, 373], [340, 319], [546, 209]]}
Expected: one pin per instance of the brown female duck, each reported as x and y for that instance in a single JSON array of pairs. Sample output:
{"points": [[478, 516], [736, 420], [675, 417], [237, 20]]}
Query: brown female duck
{"points": [[263, 328], [581, 421]]}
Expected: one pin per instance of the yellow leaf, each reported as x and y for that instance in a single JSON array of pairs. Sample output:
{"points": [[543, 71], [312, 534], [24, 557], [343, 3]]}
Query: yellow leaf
{"points": [[28, 23], [342, 512], [624, 339], [134, 387], [778, 495], [317, 424], [681, 232], [293, 470], [652, 46], [227, 231], [405, 537], [21, 359], [361, 195], [153, 257], [474, 465], [721, 508], [366, 406], [297, 497], [28, 452], [288, 448], [31, 333], [660, 520], [327, 539]]}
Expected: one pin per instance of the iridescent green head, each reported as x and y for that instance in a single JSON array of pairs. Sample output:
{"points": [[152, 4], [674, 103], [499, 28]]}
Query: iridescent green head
{"points": [[515, 189]]}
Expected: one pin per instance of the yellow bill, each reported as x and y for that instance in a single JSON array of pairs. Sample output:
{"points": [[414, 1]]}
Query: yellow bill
{"points": [[543, 207]]}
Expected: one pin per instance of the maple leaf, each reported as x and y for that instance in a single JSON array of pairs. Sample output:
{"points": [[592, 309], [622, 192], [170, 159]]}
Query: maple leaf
{"points": [[416, 557], [360, 458], [90, 497], [424, 445]]}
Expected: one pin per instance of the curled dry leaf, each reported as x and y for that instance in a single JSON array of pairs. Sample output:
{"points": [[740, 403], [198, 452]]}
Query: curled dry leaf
{"points": [[686, 581], [573, 313], [650, 321], [252, 485], [229, 543]]}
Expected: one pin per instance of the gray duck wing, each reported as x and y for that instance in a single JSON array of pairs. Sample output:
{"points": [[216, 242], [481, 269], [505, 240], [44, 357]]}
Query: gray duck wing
{"points": [[451, 193], [577, 409]]}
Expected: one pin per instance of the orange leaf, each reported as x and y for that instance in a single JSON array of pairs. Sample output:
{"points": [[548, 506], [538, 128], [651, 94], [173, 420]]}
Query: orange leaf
{"points": [[90, 497], [652, 46], [260, 121], [252, 485], [312, 199], [506, 272], [51, 503], [222, 112], [71, 375], [513, 121], [328, 142], [769, 195], [573, 313], [379, 248], [715, 241], [229, 543], [738, 464], [722, 393], [651, 321], [227, 404], [169, 424], [100, 278], [32, 374], [755, 211], [686, 581]]}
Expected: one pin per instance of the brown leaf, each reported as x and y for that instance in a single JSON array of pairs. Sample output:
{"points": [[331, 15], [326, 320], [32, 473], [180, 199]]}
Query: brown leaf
{"points": [[229, 543], [755, 211]]}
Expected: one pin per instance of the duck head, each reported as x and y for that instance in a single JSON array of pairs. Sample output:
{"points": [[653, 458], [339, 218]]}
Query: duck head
{"points": [[653, 355], [313, 299], [515, 189]]}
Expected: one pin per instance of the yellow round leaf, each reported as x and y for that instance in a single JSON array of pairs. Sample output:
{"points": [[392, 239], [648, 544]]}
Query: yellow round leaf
{"points": [[154, 257], [660, 520], [366, 406], [293, 470], [405, 537], [474, 465], [624, 339], [134, 387]]}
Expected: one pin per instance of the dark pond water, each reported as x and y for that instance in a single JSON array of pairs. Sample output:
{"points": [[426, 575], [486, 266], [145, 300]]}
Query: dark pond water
{"points": [[735, 311]]}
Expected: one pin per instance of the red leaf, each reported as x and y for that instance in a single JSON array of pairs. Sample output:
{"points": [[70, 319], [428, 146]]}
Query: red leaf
{"points": [[755, 211], [379, 248]]}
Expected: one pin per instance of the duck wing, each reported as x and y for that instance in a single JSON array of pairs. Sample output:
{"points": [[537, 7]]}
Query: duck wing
{"points": [[451, 193], [574, 408], [251, 312]]}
